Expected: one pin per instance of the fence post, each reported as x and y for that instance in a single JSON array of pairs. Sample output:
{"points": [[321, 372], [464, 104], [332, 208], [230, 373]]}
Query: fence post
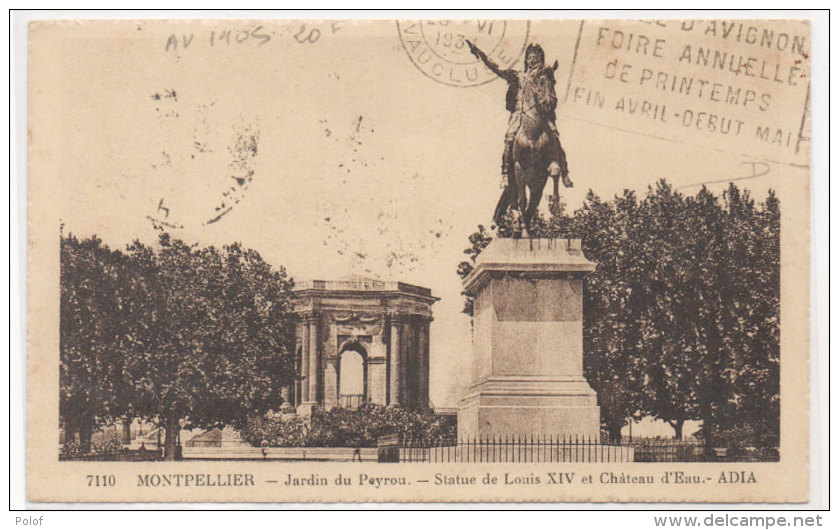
{"points": [[388, 447]]}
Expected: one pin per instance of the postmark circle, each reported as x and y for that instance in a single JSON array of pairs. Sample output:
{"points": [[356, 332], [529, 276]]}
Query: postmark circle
{"points": [[438, 47]]}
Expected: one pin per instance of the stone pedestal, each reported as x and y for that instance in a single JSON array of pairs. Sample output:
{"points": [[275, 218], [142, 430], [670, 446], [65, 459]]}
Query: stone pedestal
{"points": [[528, 342]]}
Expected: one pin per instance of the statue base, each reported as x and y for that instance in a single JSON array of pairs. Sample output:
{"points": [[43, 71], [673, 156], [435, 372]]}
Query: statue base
{"points": [[528, 342], [530, 406]]}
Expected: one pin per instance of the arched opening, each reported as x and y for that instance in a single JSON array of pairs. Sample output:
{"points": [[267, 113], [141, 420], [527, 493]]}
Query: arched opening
{"points": [[352, 376]]}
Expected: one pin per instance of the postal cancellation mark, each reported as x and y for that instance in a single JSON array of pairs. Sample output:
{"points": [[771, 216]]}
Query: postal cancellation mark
{"points": [[438, 47]]}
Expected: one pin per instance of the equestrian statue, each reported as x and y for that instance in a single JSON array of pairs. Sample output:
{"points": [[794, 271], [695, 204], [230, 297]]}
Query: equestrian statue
{"points": [[532, 151]]}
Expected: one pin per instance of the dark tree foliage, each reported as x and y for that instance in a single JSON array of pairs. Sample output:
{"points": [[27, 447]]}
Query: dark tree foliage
{"points": [[171, 333], [681, 316], [90, 278], [477, 242]]}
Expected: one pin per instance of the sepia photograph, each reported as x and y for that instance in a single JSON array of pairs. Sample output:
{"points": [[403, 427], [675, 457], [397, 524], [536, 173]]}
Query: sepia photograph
{"points": [[431, 260]]}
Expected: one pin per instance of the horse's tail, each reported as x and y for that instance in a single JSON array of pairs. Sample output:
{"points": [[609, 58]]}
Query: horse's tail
{"points": [[503, 203]]}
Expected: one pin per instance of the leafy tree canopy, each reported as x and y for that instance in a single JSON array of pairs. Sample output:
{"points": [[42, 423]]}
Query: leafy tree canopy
{"points": [[171, 332]]}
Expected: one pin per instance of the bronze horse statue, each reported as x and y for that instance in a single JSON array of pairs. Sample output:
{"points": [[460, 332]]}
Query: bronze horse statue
{"points": [[537, 153]]}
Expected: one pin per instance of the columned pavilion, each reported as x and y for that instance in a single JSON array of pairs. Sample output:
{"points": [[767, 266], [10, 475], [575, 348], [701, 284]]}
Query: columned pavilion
{"points": [[360, 340]]}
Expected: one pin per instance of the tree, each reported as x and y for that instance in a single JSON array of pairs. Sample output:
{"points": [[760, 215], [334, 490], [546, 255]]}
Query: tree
{"points": [[212, 340], [752, 239], [612, 344], [170, 334], [666, 315], [89, 271]]}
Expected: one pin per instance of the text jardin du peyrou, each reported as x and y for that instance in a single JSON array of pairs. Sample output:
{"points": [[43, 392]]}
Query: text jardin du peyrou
{"points": [[523, 479], [734, 65]]}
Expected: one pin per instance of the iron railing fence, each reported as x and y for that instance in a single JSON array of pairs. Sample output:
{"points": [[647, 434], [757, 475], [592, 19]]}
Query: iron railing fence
{"points": [[521, 448], [516, 448]]}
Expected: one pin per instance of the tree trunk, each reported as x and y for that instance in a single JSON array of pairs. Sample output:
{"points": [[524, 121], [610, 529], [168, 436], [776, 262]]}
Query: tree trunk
{"points": [[126, 430], [85, 433], [677, 427], [707, 427], [70, 430], [615, 432], [170, 442]]}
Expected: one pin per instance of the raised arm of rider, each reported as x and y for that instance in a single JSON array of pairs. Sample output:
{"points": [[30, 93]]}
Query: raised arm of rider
{"points": [[504, 74]]}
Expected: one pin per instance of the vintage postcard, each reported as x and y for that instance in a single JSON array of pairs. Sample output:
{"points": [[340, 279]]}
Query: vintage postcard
{"points": [[418, 261]]}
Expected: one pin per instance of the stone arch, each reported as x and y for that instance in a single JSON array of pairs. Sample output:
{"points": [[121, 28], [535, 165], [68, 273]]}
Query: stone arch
{"points": [[352, 367]]}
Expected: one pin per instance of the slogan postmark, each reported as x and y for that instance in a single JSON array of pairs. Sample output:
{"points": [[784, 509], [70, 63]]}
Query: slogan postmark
{"points": [[737, 86], [438, 47]]}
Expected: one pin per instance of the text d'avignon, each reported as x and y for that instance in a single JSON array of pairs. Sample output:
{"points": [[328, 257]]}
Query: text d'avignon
{"points": [[743, 32]]}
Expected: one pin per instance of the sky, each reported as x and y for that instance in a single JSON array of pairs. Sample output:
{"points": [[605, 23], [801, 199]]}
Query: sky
{"points": [[332, 149]]}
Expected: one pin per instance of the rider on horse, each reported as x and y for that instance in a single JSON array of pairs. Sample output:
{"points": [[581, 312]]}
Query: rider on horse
{"points": [[518, 83]]}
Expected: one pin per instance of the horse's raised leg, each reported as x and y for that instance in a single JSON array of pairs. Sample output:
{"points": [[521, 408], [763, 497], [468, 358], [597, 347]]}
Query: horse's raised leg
{"points": [[563, 166]]}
